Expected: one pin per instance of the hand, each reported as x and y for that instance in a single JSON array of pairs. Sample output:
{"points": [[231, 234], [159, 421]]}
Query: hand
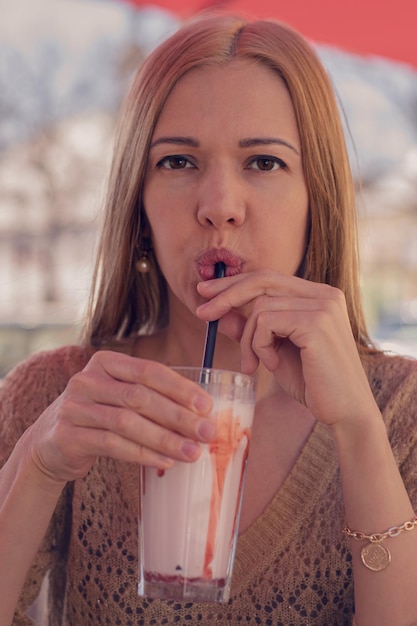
{"points": [[122, 407], [300, 331]]}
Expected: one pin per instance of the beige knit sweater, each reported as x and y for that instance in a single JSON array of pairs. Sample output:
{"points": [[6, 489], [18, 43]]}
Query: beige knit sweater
{"points": [[293, 565]]}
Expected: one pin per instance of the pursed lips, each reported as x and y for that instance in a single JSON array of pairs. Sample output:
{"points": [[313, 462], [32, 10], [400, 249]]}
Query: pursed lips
{"points": [[206, 262]]}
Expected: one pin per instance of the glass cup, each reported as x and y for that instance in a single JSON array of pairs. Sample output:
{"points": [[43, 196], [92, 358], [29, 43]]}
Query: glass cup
{"points": [[189, 514]]}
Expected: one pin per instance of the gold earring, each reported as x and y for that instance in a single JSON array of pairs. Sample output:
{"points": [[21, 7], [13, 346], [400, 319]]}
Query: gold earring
{"points": [[143, 264]]}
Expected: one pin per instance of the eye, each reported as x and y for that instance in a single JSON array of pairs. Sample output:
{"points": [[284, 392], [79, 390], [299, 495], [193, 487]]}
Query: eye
{"points": [[266, 163], [175, 162]]}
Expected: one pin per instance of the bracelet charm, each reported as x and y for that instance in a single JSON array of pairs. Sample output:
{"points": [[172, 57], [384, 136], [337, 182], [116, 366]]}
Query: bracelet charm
{"points": [[374, 555]]}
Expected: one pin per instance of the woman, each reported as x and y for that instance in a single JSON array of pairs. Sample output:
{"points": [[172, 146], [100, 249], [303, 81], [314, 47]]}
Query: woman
{"points": [[229, 149]]}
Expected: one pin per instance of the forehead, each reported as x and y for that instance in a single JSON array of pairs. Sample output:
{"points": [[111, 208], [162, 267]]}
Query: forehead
{"points": [[243, 93]]}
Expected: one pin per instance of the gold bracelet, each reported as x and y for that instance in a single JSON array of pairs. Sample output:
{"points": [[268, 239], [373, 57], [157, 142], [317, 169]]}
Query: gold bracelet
{"points": [[375, 556]]}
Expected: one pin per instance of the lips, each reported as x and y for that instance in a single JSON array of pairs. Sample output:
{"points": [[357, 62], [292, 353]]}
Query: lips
{"points": [[207, 260]]}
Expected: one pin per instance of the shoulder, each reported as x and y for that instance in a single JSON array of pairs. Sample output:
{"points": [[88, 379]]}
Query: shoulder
{"points": [[31, 386], [50, 366]]}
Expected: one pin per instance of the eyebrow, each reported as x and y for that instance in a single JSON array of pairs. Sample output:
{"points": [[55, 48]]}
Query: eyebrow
{"points": [[266, 141], [184, 141], [243, 143]]}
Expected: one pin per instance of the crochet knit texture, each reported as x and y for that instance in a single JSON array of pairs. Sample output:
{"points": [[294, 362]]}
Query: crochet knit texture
{"points": [[293, 565]]}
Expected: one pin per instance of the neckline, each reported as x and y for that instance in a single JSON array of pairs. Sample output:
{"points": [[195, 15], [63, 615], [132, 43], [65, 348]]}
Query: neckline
{"points": [[263, 541]]}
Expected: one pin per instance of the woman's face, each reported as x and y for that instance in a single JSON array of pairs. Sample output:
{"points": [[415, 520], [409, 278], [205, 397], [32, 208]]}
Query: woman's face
{"points": [[225, 180]]}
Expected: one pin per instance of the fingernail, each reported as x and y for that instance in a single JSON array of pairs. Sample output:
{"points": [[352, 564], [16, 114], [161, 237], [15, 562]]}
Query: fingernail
{"points": [[207, 430], [190, 449], [202, 404], [166, 461]]}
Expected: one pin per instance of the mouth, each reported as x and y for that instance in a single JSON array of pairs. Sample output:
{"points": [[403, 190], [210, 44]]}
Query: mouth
{"points": [[207, 260]]}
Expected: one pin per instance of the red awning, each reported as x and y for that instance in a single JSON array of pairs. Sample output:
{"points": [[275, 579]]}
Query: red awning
{"points": [[367, 27]]}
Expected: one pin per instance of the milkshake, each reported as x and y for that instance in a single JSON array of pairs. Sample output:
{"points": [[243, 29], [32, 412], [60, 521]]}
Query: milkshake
{"points": [[189, 514]]}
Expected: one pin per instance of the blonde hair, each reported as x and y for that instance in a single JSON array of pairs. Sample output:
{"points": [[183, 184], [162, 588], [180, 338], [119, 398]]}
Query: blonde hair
{"points": [[124, 301]]}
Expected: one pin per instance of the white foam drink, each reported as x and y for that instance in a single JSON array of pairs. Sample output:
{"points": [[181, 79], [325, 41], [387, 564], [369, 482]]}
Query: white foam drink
{"points": [[189, 514]]}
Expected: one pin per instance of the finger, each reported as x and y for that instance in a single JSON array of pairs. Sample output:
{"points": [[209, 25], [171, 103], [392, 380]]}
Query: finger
{"points": [[122, 433], [108, 444], [264, 346], [98, 426], [148, 374], [233, 323], [121, 404], [131, 452], [271, 320], [237, 291]]}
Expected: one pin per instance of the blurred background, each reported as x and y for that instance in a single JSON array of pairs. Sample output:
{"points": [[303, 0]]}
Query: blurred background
{"points": [[64, 67]]}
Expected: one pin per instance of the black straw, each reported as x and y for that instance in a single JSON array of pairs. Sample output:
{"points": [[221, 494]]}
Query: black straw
{"points": [[210, 343]]}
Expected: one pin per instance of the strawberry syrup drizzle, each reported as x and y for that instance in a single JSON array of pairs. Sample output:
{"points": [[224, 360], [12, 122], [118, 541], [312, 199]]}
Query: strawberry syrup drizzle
{"points": [[230, 434]]}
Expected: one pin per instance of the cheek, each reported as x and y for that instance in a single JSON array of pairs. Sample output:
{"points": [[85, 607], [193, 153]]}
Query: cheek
{"points": [[301, 238], [288, 238], [167, 239], [301, 219], [305, 227], [155, 213], [161, 243]]}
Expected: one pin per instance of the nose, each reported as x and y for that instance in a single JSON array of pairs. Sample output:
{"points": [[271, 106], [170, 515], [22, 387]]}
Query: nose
{"points": [[221, 199]]}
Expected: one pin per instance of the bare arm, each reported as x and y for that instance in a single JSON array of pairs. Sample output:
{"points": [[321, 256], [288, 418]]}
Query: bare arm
{"points": [[28, 500]]}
